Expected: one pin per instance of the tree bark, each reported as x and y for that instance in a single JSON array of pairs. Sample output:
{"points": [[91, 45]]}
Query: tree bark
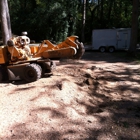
{"points": [[101, 14], [134, 28], [8, 19], [5, 21], [109, 11], [83, 21]]}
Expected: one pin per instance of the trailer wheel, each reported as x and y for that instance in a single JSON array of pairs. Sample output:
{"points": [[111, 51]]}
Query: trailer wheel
{"points": [[32, 72], [111, 49], [102, 49]]}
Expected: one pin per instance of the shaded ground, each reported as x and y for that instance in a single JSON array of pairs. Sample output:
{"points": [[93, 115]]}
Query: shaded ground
{"points": [[96, 98]]}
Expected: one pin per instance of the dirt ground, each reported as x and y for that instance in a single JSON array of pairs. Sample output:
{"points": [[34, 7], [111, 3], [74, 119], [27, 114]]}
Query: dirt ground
{"points": [[95, 98]]}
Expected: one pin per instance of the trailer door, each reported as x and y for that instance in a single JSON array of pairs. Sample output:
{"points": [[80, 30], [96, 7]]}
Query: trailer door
{"points": [[122, 37]]}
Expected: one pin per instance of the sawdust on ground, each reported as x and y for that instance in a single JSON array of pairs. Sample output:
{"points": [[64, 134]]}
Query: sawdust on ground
{"points": [[95, 98]]}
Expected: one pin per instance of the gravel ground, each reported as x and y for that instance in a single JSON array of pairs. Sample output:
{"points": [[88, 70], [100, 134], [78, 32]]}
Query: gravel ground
{"points": [[95, 98]]}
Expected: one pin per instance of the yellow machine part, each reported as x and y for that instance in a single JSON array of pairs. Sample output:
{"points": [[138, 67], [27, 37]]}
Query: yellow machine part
{"points": [[13, 51], [46, 49], [34, 49], [52, 53], [3, 55], [69, 48], [60, 53]]}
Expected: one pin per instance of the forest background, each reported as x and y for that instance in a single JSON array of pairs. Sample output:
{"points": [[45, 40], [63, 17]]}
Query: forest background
{"points": [[55, 20]]}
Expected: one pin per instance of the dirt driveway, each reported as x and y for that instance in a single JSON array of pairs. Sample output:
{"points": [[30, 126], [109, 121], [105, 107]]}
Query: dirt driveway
{"points": [[96, 98]]}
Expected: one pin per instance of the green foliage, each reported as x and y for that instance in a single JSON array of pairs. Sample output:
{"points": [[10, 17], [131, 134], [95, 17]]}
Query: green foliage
{"points": [[45, 19]]}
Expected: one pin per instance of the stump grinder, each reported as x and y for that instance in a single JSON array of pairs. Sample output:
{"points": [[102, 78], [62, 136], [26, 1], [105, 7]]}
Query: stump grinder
{"points": [[21, 60]]}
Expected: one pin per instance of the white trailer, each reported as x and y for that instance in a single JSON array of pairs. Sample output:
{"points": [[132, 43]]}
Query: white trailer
{"points": [[111, 39]]}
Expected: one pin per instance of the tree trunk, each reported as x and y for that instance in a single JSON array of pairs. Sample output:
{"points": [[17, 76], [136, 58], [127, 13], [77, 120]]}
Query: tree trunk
{"points": [[83, 21], [5, 21], [8, 19], [109, 11], [101, 14], [126, 9], [93, 16], [134, 28]]}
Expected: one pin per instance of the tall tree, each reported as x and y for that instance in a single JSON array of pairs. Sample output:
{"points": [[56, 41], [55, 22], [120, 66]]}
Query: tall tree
{"points": [[101, 13], [83, 21], [5, 21], [110, 9], [8, 19], [134, 28]]}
